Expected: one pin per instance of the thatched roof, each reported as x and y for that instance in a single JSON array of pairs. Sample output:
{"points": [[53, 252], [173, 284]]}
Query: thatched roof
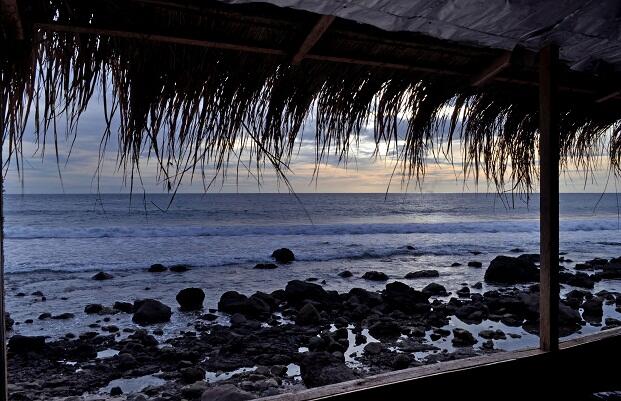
{"points": [[194, 82]]}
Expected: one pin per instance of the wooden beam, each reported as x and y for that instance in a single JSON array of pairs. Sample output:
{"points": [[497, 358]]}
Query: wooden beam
{"points": [[495, 68], [158, 38], [10, 14], [611, 95], [549, 198], [312, 38]]}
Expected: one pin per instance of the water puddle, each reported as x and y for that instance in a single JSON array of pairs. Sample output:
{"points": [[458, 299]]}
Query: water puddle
{"points": [[214, 377], [107, 353], [134, 385]]}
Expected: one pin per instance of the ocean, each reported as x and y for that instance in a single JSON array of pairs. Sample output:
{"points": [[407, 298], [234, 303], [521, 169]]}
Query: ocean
{"points": [[55, 243]]}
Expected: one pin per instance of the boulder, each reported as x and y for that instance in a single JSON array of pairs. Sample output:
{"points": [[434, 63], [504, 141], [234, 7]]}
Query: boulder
{"points": [[463, 338], [181, 268], [593, 310], [385, 329], [63, 316], [346, 274], [373, 348], [308, 316], [475, 263], [192, 374], [23, 344], [435, 289], [8, 322], [579, 279], [375, 276], [323, 368], [297, 291], [464, 292], [423, 274], [232, 302], [226, 392], [509, 270], [265, 266], [102, 276], [93, 308], [455, 264], [283, 255], [124, 307], [191, 299], [157, 268], [400, 296], [150, 311]]}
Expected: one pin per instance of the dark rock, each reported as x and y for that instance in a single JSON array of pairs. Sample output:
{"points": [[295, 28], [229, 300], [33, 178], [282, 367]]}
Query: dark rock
{"points": [[157, 268], [423, 274], [233, 302], [385, 329], [373, 348], [297, 291], [435, 289], [8, 322], [102, 276], [308, 316], [63, 316], [226, 392], [192, 374], [180, 268], [401, 361], [400, 296], [283, 255], [509, 270], [530, 257], [346, 274], [323, 368], [150, 311], [116, 391], [455, 264], [612, 322], [477, 286], [93, 308], [191, 299], [22, 344], [464, 292], [37, 294], [124, 307], [375, 276], [45, 315], [609, 272], [475, 263], [463, 338], [593, 310], [265, 266], [516, 250], [581, 280], [493, 334]]}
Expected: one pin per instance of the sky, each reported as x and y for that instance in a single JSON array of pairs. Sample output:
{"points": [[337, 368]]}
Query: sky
{"points": [[78, 173]]}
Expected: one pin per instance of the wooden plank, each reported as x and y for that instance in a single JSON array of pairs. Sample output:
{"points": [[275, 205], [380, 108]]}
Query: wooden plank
{"points": [[312, 38], [425, 378], [549, 198], [10, 13], [496, 67]]}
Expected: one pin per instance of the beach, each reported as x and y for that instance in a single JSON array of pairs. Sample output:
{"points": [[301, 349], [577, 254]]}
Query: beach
{"points": [[321, 318]]}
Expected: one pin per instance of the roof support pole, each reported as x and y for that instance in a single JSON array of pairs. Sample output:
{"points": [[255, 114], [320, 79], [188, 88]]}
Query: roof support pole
{"points": [[9, 12], [4, 392], [549, 198]]}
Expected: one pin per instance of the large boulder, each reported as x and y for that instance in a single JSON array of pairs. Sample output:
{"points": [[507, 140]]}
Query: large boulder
{"points": [[463, 338], [375, 276], [150, 311], [297, 291], [257, 306], [191, 299], [423, 274], [23, 344], [283, 255], [323, 368], [91, 309], [402, 297], [509, 270], [225, 392], [8, 322], [308, 316], [157, 268], [435, 289]]}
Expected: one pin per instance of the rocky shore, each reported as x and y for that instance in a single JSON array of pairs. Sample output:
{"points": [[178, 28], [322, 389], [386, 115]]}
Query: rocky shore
{"points": [[302, 335]]}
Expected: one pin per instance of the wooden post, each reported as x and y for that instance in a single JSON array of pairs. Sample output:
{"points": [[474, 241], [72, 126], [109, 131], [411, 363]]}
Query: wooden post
{"points": [[4, 392], [549, 198]]}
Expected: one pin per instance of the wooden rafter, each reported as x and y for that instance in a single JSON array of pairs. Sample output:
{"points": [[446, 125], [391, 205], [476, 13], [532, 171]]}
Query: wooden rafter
{"points": [[495, 68], [432, 70], [312, 38], [10, 14], [611, 95]]}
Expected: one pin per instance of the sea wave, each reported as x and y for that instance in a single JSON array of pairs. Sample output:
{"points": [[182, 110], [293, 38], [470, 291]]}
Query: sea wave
{"points": [[516, 226]]}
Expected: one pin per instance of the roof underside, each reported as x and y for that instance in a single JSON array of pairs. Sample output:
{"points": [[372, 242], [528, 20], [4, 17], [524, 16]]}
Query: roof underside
{"points": [[192, 82]]}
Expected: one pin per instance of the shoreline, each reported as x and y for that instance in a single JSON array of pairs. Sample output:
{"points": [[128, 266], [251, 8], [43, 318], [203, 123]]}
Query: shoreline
{"points": [[299, 335]]}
